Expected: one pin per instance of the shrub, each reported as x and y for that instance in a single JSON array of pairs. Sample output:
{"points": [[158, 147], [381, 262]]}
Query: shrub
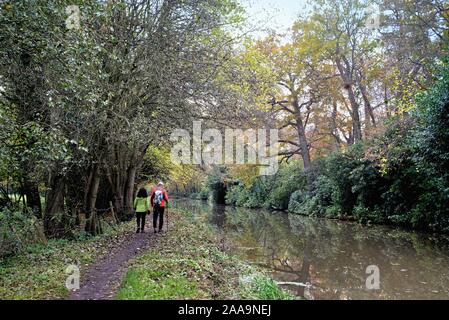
{"points": [[18, 229], [430, 143], [202, 195], [367, 215], [316, 202], [338, 169], [288, 179], [268, 191], [237, 195], [324, 191], [296, 203], [258, 192]]}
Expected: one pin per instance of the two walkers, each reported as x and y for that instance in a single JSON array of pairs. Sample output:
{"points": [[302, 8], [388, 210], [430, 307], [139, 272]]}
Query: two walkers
{"points": [[158, 200]]}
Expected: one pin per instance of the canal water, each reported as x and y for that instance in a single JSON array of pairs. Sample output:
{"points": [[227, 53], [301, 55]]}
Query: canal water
{"points": [[330, 259]]}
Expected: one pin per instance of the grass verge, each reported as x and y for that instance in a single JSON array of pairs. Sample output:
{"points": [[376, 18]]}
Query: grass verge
{"points": [[39, 271], [188, 263]]}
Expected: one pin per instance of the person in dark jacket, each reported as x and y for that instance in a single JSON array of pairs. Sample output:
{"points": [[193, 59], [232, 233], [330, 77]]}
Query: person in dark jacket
{"points": [[159, 199]]}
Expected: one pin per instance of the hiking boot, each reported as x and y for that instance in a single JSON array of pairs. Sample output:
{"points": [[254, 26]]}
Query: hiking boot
{"points": [[155, 231], [138, 231]]}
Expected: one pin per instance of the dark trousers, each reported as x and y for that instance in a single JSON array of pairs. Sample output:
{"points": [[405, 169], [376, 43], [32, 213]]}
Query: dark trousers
{"points": [[140, 217], [158, 212]]}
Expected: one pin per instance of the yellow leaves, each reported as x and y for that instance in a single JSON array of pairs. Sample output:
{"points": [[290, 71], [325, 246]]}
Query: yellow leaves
{"points": [[445, 15], [268, 61], [245, 173], [404, 86], [383, 165], [182, 174], [255, 73]]}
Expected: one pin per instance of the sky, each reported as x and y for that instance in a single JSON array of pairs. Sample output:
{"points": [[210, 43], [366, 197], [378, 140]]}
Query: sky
{"points": [[275, 14]]}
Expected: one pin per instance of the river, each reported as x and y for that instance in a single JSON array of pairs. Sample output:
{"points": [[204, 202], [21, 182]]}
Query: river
{"points": [[331, 259]]}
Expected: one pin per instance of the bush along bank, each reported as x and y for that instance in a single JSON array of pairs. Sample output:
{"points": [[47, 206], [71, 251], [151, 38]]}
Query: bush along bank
{"points": [[400, 177]]}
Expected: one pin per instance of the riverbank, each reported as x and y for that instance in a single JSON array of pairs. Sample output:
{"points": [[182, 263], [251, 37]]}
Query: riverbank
{"points": [[188, 262], [192, 262], [331, 215]]}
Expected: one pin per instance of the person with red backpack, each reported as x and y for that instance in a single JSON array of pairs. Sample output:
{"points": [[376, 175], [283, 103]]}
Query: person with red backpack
{"points": [[159, 199]]}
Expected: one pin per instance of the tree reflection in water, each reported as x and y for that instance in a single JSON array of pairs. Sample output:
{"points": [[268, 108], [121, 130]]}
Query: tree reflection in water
{"points": [[332, 256]]}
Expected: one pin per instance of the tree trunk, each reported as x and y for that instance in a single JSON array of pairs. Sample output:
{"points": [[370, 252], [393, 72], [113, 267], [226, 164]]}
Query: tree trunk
{"points": [[113, 178], [369, 114], [55, 219], [33, 200], [356, 125], [92, 226], [303, 143], [116, 176], [386, 102], [75, 190], [348, 84], [334, 126], [121, 174], [305, 153], [129, 189]]}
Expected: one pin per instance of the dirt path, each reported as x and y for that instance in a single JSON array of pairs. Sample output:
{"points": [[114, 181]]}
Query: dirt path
{"points": [[102, 279]]}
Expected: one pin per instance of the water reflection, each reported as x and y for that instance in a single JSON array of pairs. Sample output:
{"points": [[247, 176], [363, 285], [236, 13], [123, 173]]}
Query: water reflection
{"points": [[327, 259]]}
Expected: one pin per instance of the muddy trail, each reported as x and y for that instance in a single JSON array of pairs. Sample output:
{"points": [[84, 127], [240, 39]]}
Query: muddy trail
{"points": [[102, 279]]}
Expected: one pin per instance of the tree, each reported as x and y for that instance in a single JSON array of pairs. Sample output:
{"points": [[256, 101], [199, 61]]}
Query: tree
{"points": [[105, 91], [341, 27], [413, 36], [28, 46]]}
